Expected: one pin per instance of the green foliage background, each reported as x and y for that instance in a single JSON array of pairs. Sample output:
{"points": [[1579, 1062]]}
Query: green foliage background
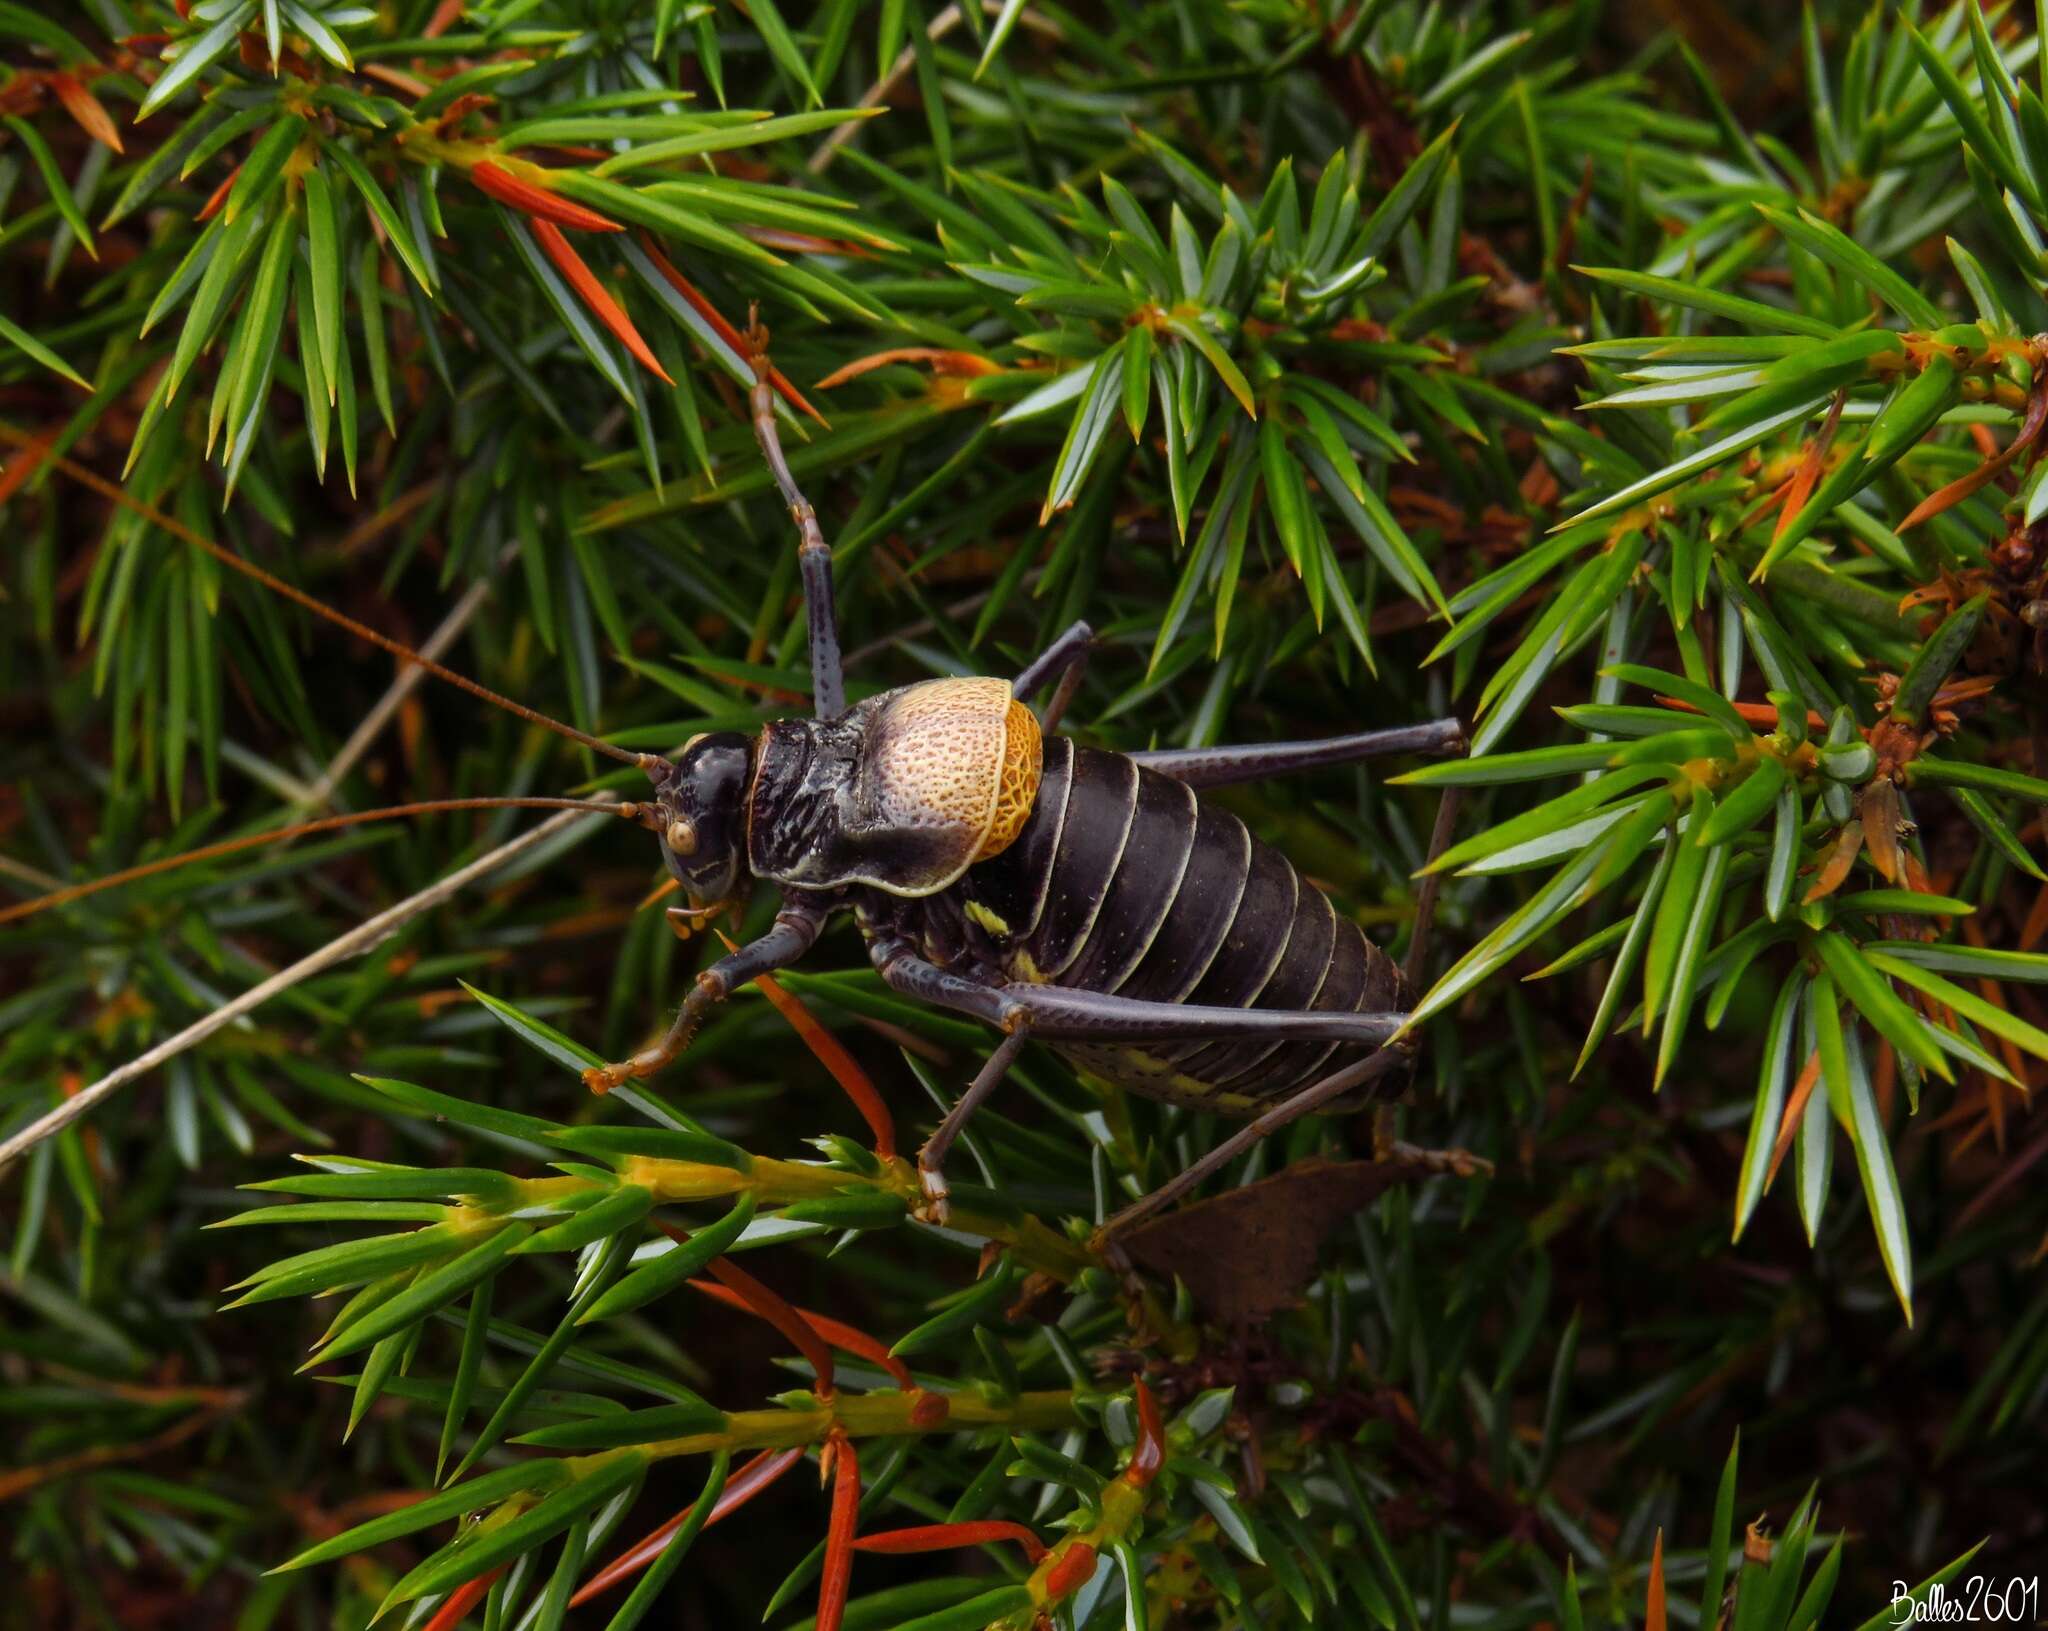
{"points": [[1343, 368]]}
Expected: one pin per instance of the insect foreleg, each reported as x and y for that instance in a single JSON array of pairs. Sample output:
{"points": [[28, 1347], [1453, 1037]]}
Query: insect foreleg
{"points": [[814, 555], [1221, 766], [795, 932], [1066, 657]]}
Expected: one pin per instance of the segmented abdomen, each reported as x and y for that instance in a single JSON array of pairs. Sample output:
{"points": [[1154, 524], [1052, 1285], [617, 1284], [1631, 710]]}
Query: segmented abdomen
{"points": [[1124, 882]]}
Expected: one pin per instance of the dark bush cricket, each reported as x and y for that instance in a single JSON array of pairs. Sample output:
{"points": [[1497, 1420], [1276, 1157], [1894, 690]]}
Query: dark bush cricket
{"points": [[1088, 899], [1084, 898]]}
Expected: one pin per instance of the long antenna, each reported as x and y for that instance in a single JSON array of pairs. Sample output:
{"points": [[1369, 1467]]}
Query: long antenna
{"points": [[231, 846], [149, 512]]}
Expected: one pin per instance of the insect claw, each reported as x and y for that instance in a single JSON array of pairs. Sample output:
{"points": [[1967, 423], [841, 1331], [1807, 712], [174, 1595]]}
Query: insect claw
{"points": [[936, 1207], [687, 920], [603, 1078]]}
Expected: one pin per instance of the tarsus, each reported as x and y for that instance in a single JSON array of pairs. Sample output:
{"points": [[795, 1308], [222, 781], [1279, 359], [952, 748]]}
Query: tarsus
{"points": [[231, 846]]}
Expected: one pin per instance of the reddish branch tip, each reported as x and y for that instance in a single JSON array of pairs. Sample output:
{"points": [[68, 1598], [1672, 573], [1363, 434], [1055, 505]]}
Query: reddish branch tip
{"points": [[1073, 1571], [499, 183]]}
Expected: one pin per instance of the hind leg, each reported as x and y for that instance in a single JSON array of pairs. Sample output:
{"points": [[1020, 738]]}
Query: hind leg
{"points": [[1059, 1013], [1306, 1102], [1331, 1087], [1222, 766]]}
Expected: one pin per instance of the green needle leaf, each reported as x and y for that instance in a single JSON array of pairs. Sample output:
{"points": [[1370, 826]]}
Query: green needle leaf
{"points": [[426, 1294], [21, 339], [522, 1478], [195, 56], [660, 1275], [484, 1548]]}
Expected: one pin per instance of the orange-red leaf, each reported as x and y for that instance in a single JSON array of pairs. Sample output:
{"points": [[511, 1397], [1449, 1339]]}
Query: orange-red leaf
{"points": [[1878, 809], [1148, 1455], [836, 1332], [396, 78], [1800, 488], [595, 295], [770, 1307], [1653, 1614], [844, 1466], [1836, 868], [740, 1488], [940, 1537], [220, 196], [660, 893], [23, 465], [724, 330], [1795, 1108], [2035, 929], [832, 1054], [497, 182], [961, 364], [461, 1600], [1963, 486], [83, 106], [1763, 715]]}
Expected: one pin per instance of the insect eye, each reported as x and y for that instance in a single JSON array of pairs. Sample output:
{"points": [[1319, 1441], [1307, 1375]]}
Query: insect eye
{"points": [[682, 837]]}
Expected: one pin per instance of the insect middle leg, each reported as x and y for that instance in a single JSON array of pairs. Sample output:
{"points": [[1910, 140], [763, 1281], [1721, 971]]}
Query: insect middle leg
{"points": [[1068, 658], [795, 931], [931, 1159], [814, 555]]}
